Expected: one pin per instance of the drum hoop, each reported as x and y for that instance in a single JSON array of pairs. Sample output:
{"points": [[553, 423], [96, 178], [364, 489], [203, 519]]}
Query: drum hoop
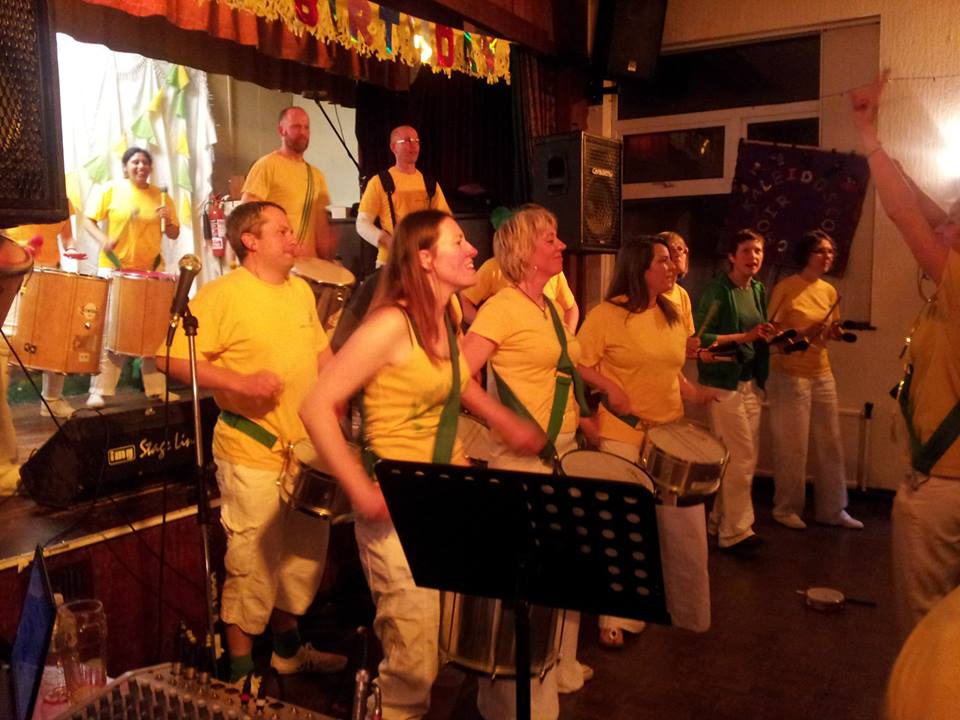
{"points": [[650, 442], [132, 275], [342, 283], [616, 457]]}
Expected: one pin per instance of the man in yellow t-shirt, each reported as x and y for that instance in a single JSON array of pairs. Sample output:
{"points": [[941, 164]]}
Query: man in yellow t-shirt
{"points": [[47, 254], [285, 178], [410, 192], [259, 347], [490, 281]]}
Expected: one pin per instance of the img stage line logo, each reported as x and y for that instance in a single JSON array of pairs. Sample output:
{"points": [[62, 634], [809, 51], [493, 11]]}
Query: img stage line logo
{"points": [[148, 448]]}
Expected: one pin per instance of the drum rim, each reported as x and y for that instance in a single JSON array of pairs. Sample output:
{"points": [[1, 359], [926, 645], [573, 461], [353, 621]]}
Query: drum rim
{"points": [[142, 275], [49, 270], [648, 441], [623, 460], [329, 283]]}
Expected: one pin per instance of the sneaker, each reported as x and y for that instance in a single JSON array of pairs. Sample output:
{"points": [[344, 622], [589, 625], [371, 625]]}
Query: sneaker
{"points": [[58, 408], [160, 398], [308, 659], [95, 401], [790, 520], [843, 520], [586, 675], [746, 546]]}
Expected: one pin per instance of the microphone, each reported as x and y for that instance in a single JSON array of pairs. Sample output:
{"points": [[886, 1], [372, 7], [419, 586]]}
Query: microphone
{"points": [[857, 325], [163, 204], [190, 266]]}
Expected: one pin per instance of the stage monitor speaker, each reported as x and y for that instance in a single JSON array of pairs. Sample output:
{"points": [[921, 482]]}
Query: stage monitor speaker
{"points": [[627, 39], [94, 455], [31, 150], [578, 177]]}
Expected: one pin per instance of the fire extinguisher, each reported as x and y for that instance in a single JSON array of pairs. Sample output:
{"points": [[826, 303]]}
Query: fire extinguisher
{"points": [[218, 224]]}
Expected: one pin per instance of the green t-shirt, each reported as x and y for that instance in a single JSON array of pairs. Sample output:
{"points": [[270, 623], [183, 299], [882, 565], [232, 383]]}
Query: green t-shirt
{"points": [[750, 317]]}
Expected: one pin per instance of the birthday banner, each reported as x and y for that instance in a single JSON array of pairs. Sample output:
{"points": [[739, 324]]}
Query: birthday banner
{"points": [[378, 31]]}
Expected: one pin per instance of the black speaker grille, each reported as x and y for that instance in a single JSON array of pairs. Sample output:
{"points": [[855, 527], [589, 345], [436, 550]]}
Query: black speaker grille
{"points": [[601, 193], [23, 170]]}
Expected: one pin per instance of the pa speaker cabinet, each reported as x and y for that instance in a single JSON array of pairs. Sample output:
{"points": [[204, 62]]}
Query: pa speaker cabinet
{"points": [[578, 177], [31, 151], [628, 36]]}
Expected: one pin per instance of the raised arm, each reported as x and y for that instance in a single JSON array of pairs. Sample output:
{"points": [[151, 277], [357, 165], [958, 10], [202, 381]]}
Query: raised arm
{"points": [[896, 195]]}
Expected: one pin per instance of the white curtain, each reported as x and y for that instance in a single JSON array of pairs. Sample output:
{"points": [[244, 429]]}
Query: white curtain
{"points": [[111, 101]]}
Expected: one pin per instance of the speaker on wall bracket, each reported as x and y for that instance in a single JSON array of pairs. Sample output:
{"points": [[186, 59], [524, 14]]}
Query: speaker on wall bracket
{"points": [[31, 148], [578, 177]]}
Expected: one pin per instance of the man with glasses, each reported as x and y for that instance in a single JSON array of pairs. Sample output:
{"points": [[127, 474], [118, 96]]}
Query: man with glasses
{"points": [[395, 193]]}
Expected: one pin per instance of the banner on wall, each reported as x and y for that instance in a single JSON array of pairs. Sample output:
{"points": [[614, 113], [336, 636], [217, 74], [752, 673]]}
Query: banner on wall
{"points": [[374, 30], [783, 192]]}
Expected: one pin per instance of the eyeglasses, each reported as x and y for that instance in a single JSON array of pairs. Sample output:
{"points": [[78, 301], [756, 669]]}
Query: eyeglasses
{"points": [[412, 141]]}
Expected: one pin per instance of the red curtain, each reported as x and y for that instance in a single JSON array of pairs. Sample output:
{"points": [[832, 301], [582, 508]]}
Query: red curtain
{"points": [[219, 39]]}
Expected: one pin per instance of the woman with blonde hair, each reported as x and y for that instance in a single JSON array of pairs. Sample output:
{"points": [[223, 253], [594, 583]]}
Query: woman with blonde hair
{"points": [[405, 357]]}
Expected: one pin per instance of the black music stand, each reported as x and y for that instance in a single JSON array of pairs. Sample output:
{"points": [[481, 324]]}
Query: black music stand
{"points": [[525, 538]]}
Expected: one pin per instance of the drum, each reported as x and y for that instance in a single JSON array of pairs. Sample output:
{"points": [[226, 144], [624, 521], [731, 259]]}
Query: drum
{"points": [[15, 262], [479, 634], [603, 466], [138, 312], [331, 285], [684, 458], [60, 321], [312, 489], [475, 438]]}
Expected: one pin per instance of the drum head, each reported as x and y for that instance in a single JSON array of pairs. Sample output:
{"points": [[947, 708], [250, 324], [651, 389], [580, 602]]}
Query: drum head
{"points": [[687, 441], [603, 466], [323, 272]]}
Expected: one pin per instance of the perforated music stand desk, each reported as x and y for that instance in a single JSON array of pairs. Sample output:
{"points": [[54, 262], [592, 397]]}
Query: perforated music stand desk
{"points": [[525, 538]]}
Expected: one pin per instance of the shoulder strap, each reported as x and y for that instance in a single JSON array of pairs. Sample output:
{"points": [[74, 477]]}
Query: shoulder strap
{"points": [[447, 427], [430, 183], [923, 456], [386, 180]]}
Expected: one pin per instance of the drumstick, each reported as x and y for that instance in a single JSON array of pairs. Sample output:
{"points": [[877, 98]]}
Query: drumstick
{"points": [[708, 318], [832, 307], [163, 204], [99, 237]]}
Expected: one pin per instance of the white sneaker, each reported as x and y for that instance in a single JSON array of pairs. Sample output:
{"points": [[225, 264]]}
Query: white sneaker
{"points": [[843, 520], [308, 659], [58, 407], [585, 675], [95, 401], [791, 520]]}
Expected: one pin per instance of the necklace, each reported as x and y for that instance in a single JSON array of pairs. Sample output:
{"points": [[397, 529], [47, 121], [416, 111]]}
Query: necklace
{"points": [[541, 307]]}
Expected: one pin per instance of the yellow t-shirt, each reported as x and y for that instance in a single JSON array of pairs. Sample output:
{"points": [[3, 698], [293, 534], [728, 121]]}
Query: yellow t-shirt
{"points": [[798, 303], [491, 280], [410, 195], [935, 354], [132, 223], [644, 355], [679, 297], [247, 325], [527, 352], [402, 406], [284, 181], [923, 684], [49, 255]]}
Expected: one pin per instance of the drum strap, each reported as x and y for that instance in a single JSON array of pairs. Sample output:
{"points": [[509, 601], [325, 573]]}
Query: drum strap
{"points": [[630, 419], [112, 257], [157, 260], [567, 375], [447, 427], [307, 207], [249, 428], [923, 456]]}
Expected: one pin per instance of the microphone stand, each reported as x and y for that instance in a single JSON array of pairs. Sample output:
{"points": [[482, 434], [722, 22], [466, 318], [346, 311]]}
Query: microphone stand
{"points": [[204, 475]]}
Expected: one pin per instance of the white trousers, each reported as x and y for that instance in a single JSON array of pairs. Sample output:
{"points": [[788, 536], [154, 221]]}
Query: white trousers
{"points": [[735, 418], [111, 365], [275, 555], [496, 699], [926, 545], [52, 385], [800, 406], [407, 623]]}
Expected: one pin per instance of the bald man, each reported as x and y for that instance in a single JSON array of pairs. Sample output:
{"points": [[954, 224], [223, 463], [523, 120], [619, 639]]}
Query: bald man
{"points": [[397, 192], [285, 178]]}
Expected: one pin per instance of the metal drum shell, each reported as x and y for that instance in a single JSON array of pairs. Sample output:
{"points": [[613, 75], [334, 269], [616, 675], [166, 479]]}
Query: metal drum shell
{"points": [[479, 634], [312, 490], [60, 319], [138, 312], [681, 476], [332, 285]]}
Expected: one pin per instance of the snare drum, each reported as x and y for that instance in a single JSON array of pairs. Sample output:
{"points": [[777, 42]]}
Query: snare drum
{"points": [[60, 321], [603, 466], [684, 458], [15, 262], [331, 285], [479, 634], [138, 312], [312, 489], [475, 438]]}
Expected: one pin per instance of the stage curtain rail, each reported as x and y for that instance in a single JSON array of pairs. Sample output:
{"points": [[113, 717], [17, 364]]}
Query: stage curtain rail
{"points": [[219, 39]]}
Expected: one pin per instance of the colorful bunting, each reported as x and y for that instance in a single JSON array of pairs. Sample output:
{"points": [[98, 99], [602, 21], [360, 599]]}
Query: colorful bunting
{"points": [[156, 105], [186, 209], [183, 175], [183, 147], [98, 168], [374, 30], [142, 128], [119, 147], [180, 104]]}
